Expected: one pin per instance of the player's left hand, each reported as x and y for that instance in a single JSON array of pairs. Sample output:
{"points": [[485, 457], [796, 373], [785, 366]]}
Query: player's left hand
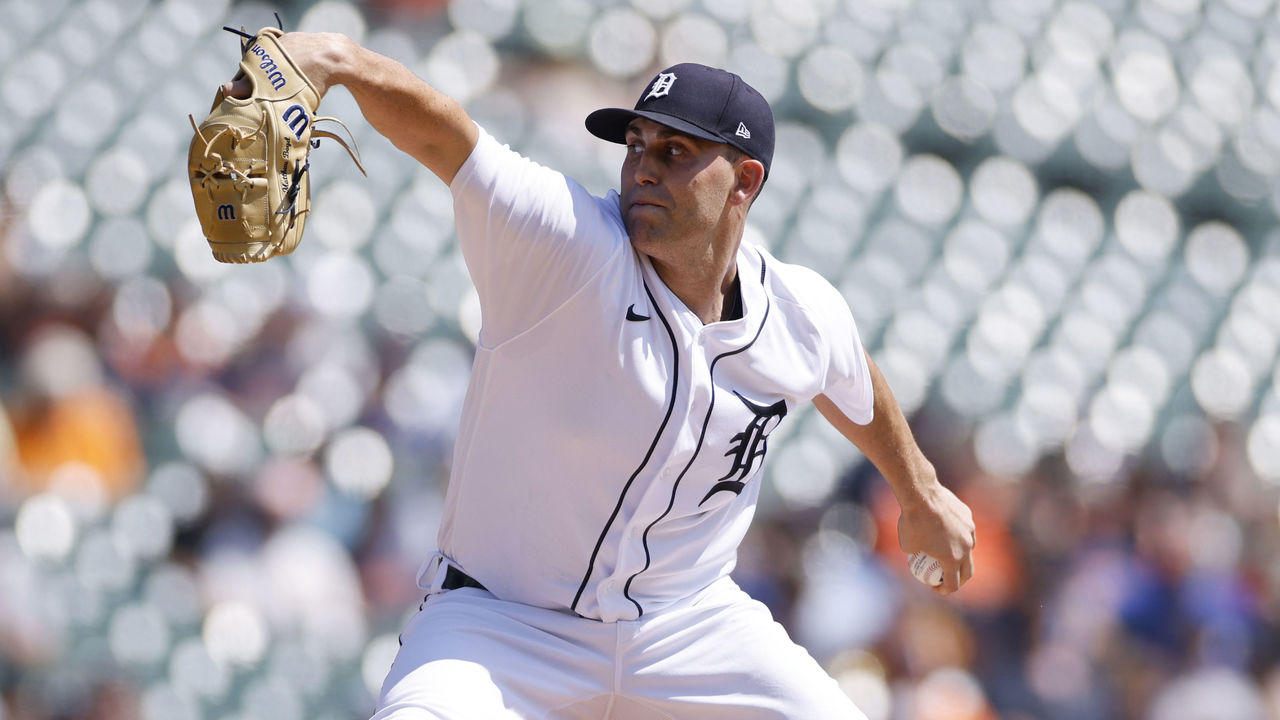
{"points": [[940, 524], [316, 55]]}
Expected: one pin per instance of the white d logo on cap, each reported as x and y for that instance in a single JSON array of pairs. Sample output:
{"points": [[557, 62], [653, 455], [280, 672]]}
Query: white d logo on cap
{"points": [[661, 85]]}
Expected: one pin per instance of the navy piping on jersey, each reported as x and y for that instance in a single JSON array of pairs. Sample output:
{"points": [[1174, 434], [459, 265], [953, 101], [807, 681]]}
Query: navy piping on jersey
{"points": [[675, 380], [648, 560]]}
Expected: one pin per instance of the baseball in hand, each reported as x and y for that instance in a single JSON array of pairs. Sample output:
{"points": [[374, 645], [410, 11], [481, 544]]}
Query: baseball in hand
{"points": [[926, 568]]}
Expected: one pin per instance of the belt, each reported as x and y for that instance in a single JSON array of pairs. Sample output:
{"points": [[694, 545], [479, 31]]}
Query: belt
{"points": [[455, 578]]}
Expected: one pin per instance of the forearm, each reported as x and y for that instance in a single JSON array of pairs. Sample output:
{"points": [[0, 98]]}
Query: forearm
{"points": [[887, 441], [933, 519], [418, 119]]}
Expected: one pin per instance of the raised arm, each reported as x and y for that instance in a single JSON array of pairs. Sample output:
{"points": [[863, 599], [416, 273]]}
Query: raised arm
{"points": [[933, 519], [418, 119]]}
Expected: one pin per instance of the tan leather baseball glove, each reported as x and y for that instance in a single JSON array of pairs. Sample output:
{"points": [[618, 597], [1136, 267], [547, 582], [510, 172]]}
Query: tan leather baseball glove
{"points": [[248, 162]]}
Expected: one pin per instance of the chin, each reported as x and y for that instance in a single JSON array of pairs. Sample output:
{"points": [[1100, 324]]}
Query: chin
{"points": [[640, 233], [646, 240]]}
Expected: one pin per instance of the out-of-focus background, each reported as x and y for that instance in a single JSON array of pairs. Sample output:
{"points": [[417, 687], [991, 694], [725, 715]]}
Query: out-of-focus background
{"points": [[1053, 222]]}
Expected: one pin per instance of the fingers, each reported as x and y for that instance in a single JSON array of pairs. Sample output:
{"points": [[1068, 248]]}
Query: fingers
{"points": [[950, 581], [239, 88], [955, 578]]}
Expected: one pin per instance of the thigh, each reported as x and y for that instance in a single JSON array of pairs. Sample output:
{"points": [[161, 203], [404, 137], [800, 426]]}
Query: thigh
{"points": [[725, 658], [466, 655], [443, 689]]}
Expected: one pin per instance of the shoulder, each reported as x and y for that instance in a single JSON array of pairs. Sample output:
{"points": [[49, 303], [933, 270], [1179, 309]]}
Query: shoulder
{"points": [[492, 163], [812, 310], [496, 177], [800, 285]]}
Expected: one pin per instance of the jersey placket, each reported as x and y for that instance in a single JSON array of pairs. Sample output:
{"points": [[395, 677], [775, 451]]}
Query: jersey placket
{"points": [[635, 554], [697, 347]]}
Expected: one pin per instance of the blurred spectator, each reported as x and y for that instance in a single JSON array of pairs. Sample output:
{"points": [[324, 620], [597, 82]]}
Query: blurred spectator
{"points": [[69, 424], [421, 8]]}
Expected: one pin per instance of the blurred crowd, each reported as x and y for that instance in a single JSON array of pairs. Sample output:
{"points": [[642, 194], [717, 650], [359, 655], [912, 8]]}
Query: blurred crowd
{"points": [[217, 484], [1153, 596]]}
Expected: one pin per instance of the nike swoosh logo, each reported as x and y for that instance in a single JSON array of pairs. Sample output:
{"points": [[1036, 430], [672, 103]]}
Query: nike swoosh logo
{"points": [[633, 316]]}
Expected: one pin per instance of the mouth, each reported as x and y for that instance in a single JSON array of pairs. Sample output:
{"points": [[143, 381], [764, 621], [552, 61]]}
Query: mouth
{"points": [[637, 204]]}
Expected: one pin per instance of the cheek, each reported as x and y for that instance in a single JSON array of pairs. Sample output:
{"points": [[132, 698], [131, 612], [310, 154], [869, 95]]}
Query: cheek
{"points": [[710, 195]]}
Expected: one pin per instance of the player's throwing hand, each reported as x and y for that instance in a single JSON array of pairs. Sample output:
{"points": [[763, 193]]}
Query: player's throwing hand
{"points": [[940, 525]]}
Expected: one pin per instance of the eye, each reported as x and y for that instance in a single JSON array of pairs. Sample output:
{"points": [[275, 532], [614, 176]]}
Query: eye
{"points": [[633, 147], [675, 150]]}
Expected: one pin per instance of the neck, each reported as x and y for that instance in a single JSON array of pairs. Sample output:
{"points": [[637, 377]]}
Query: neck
{"points": [[708, 291]]}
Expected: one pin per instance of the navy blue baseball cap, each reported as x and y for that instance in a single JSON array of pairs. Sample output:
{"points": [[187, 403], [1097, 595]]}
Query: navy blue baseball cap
{"points": [[701, 101]]}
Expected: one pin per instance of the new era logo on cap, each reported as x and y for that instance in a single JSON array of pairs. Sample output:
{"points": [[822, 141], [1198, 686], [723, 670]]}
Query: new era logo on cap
{"points": [[702, 101]]}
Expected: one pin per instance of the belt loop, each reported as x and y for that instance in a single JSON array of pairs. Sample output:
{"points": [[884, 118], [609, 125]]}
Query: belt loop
{"points": [[431, 577]]}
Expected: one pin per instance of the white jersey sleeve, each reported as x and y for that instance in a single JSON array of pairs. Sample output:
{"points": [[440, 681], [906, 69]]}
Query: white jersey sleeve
{"points": [[531, 237], [846, 378]]}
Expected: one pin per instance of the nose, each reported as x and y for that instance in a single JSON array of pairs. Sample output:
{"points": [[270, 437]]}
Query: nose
{"points": [[645, 167]]}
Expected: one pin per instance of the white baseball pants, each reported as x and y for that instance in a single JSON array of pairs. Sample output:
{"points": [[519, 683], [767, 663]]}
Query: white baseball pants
{"points": [[719, 655]]}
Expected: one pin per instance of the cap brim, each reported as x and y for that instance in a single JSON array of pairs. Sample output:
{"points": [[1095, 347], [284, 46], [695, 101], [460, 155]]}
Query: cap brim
{"points": [[611, 124]]}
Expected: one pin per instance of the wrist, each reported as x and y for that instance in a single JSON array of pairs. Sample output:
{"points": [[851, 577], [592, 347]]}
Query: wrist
{"points": [[919, 489], [340, 59]]}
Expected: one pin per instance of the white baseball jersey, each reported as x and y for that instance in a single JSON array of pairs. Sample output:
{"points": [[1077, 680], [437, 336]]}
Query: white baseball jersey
{"points": [[610, 450]]}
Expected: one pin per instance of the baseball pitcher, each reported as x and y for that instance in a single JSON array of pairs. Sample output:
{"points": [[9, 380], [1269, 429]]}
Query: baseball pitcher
{"points": [[634, 358]]}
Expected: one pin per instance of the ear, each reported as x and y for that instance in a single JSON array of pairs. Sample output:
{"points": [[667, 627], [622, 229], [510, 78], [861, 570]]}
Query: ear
{"points": [[748, 176]]}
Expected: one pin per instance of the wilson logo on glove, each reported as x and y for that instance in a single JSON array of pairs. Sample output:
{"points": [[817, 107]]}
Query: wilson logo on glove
{"points": [[268, 66], [296, 117], [243, 143]]}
